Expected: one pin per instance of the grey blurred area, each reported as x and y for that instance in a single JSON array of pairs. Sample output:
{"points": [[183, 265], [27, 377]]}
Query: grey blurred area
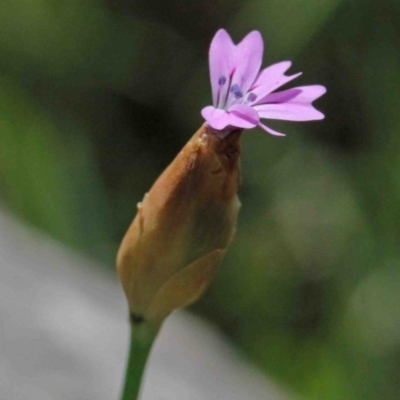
{"points": [[64, 334]]}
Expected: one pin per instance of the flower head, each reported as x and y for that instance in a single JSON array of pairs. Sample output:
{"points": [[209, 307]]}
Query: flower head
{"points": [[242, 94]]}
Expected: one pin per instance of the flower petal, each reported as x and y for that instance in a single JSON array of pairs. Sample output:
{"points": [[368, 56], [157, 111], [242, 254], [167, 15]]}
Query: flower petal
{"points": [[238, 116], [273, 72], [293, 104], [247, 60], [269, 130], [270, 79], [218, 119], [221, 61], [243, 116]]}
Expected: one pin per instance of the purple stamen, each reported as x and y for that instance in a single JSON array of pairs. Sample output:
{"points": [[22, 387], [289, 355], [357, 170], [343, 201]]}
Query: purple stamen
{"points": [[236, 91], [251, 97], [222, 80]]}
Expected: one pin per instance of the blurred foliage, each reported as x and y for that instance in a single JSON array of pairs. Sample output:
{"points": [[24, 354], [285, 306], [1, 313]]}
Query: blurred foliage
{"points": [[96, 97]]}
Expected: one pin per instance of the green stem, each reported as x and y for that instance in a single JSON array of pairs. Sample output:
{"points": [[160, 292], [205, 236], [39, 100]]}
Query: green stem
{"points": [[142, 338]]}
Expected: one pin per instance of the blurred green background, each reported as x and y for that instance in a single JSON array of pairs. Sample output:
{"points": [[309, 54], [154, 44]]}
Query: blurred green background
{"points": [[97, 97]]}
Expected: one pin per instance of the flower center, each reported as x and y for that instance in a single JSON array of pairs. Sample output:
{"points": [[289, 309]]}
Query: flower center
{"points": [[229, 94]]}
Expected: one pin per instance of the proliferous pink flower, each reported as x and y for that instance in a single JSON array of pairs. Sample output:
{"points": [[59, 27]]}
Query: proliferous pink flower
{"points": [[242, 94]]}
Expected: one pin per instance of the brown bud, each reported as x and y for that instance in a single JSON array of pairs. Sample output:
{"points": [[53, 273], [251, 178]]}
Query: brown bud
{"points": [[183, 225]]}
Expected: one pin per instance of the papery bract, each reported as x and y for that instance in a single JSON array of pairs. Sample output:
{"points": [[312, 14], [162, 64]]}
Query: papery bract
{"points": [[183, 226]]}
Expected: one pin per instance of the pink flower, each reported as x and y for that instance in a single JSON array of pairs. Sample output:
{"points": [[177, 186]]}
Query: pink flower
{"points": [[242, 94]]}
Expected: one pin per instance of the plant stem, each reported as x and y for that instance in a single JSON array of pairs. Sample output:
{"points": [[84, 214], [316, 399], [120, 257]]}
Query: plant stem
{"points": [[142, 339]]}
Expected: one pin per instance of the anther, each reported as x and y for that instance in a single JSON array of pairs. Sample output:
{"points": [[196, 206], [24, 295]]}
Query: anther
{"points": [[236, 91], [221, 80], [251, 97]]}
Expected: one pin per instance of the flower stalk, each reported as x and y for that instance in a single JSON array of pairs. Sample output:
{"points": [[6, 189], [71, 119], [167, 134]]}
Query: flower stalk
{"points": [[141, 342]]}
